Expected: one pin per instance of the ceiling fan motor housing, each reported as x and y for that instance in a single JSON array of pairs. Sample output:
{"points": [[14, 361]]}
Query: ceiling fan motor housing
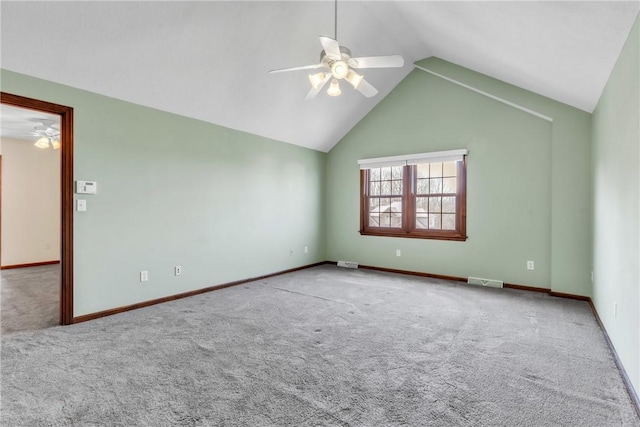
{"points": [[346, 56]]}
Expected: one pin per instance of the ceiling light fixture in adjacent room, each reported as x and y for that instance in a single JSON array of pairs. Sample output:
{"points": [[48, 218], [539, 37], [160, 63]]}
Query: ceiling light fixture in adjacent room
{"points": [[42, 142], [45, 141], [47, 134]]}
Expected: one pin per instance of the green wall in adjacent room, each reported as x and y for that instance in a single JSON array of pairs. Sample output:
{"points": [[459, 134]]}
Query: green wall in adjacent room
{"points": [[528, 192], [224, 204], [616, 166]]}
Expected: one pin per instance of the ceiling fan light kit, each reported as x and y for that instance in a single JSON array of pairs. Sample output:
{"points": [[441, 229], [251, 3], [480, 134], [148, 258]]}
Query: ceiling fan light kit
{"points": [[334, 88], [316, 79], [354, 78], [337, 59], [42, 142], [47, 134]]}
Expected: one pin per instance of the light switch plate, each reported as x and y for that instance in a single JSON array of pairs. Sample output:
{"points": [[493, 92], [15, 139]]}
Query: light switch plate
{"points": [[81, 205]]}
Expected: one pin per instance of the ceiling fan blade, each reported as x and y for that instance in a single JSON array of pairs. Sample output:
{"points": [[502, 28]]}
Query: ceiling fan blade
{"points": [[331, 48], [304, 67], [366, 89], [391, 61], [314, 91]]}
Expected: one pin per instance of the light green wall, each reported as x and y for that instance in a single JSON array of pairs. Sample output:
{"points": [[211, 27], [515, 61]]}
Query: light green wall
{"points": [[224, 204], [616, 165], [529, 191]]}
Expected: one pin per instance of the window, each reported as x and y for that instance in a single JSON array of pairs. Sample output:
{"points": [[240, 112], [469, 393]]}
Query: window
{"points": [[420, 196]]}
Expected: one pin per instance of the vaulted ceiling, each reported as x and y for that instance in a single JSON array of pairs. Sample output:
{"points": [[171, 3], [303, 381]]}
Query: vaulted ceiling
{"points": [[210, 60]]}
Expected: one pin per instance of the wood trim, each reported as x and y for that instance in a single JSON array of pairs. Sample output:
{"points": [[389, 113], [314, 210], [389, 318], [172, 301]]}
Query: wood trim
{"points": [[117, 310], [31, 264], [527, 288], [414, 273], [66, 193], [569, 296], [633, 395]]}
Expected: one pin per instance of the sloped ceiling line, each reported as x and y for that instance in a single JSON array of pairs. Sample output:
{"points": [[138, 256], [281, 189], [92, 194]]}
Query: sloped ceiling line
{"points": [[487, 94]]}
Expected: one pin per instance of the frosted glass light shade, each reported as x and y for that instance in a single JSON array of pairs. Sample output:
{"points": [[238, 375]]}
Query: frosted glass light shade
{"points": [[334, 88], [354, 78], [316, 79], [42, 142]]}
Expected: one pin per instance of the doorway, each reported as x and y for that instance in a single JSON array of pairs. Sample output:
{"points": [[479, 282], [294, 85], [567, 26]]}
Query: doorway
{"points": [[65, 115]]}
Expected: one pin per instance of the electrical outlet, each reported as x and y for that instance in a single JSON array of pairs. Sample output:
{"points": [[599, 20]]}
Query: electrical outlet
{"points": [[592, 277], [178, 270], [530, 265], [398, 252], [144, 276], [615, 309], [306, 249]]}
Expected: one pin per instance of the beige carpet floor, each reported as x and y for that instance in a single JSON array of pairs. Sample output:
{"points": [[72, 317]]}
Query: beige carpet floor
{"points": [[29, 298]]}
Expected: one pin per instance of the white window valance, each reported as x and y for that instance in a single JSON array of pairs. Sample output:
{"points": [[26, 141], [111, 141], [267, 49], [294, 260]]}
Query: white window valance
{"points": [[414, 159]]}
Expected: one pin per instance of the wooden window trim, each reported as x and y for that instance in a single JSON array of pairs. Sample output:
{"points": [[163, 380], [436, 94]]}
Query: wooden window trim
{"points": [[408, 229]]}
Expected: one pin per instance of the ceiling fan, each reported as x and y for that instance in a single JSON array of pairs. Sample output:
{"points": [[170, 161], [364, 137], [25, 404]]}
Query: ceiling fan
{"points": [[340, 64], [47, 133]]}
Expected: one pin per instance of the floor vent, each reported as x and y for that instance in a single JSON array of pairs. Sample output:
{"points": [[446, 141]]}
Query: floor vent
{"points": [[485, 282], [347, 264]]}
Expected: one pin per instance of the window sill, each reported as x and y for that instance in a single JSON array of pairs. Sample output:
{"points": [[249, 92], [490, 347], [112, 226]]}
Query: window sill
{"points": [[455, 236]]}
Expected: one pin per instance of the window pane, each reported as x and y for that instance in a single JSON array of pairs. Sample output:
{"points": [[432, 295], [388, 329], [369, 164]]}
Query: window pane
{"points": [[374, 189], [422, 204], [396, 213], [435, 186], [385, 219], [385, 173], [374, 205], [384, 204], [396, 188], [449, 185], [385, 187], [396, 205], [396, 172], [423, 170], [374, 174], [434, 221], [449, 169], [448, 222], [435, 170], [449, 204], [423, 186], [422, 220], [435, 204], [382, 218]]}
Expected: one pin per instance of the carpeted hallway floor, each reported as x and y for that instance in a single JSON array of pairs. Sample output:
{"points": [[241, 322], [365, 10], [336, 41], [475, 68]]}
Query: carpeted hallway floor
{"points": [[29, 298], [323, 347]]}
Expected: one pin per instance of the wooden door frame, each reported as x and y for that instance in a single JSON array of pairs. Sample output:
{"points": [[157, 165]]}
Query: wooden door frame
{"points": [[66, 193]]}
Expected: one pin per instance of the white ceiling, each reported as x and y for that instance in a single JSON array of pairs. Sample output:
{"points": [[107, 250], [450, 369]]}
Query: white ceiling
{"points": [[18, 123], [210, 60]]}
